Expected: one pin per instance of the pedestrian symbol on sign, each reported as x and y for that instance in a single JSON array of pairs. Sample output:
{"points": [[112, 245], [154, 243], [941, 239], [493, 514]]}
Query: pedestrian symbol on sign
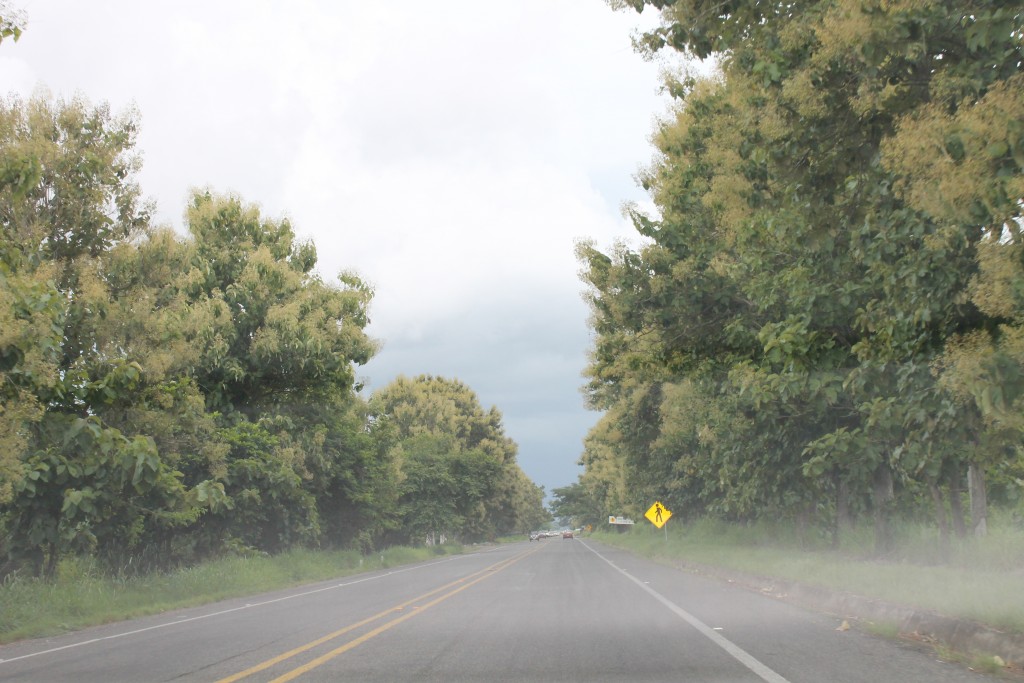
{"points": [[658, 514]]}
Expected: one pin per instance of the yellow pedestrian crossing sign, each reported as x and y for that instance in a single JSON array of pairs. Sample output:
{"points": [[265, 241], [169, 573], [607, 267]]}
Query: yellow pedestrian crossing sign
{"points": [[658, 514]]}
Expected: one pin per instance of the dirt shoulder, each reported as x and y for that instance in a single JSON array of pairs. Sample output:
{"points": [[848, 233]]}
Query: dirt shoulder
{"points": [[967, 639]]}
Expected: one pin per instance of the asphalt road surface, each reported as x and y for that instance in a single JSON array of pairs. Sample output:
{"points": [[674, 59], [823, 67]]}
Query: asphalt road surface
{"points": [[556, 610]]}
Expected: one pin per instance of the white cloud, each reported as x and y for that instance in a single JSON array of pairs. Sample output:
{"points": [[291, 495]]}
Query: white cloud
{"points": [[16, 76], [450, 154]]}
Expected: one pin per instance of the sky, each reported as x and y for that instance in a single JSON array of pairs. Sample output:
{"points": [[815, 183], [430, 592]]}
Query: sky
{"points": [[451, 154]]}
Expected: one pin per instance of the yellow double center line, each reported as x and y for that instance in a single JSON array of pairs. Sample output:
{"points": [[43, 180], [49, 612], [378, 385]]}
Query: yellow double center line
{"points": [[457, 586]]}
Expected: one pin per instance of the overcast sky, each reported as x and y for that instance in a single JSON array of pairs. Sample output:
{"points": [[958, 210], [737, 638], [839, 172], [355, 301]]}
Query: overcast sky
{"points": [[448, 152]]}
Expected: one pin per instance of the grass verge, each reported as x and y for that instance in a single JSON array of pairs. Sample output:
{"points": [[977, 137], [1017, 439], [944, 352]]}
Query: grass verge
{"points": [[979, 579], [81, 595]]}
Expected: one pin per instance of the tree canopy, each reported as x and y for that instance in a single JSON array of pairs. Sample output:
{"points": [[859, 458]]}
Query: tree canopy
{"points": [[812, 325], [458, 476], [168, 397]]}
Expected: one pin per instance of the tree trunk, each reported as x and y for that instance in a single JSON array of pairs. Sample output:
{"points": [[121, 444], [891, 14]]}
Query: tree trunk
{"points": [[843, 515], [956, 508], [979, 503], [881, 496], [803, 516], [941, 519], [51, 562], [843, 519]]}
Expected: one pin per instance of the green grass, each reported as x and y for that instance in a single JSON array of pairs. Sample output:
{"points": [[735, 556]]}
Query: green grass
{"points": [[80, 595], [987, 664], [514, 538], [885, 629], [979, 579]]}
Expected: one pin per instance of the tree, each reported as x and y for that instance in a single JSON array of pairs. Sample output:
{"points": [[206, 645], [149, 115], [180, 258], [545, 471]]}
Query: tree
{"points": [[352, 471], [272, 349], [457, 468], [272, 334], [805, 271], [12, 23], [577, 505], [525, 502], [68, 198], [162, 398]]}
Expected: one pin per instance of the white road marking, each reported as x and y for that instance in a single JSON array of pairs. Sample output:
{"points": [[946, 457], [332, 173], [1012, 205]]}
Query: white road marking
{"points": [[738, 653]]}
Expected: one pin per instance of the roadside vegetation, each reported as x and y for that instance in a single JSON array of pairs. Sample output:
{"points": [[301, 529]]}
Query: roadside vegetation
{"points": [[812, 352], [84, 593], [821, 319], [168, 399], [822, 326], [978, 579]]}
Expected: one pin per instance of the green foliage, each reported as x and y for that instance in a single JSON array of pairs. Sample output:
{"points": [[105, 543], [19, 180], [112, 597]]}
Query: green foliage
{"points": [[822, 321], [267, 507], [31, 327], [163, 398], [349, 468], [578, 505], [269, 332], [167, 399], [82, 485], [12, 24], [82, 593], [95, 491], [976, 581], [456, 470], [523, 503]]}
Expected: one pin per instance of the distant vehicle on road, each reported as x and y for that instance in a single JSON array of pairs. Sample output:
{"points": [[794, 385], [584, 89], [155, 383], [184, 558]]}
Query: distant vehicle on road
{"points": [[566, 534]]}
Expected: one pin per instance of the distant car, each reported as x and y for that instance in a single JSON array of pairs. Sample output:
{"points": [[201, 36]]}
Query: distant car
{"points": [[566, 534], [535, 536]]}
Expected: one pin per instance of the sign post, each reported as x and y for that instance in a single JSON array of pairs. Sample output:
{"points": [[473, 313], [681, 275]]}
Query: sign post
{"points": [[619, 523], [658, 515]]}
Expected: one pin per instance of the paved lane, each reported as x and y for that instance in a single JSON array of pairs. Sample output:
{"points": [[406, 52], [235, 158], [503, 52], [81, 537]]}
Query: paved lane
{"points": [[210, 642], [558, 610]]}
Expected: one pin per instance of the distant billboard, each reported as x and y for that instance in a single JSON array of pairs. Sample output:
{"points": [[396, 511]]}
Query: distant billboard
{"points": [[612, 519]]}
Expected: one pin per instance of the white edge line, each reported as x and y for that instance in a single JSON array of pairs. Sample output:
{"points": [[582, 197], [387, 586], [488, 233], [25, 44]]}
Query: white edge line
{"points": [[738, 653], [125, 634]]}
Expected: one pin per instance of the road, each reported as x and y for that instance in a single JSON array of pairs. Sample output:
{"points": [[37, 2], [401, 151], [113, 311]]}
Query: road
{"points": [[555, 610]]}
